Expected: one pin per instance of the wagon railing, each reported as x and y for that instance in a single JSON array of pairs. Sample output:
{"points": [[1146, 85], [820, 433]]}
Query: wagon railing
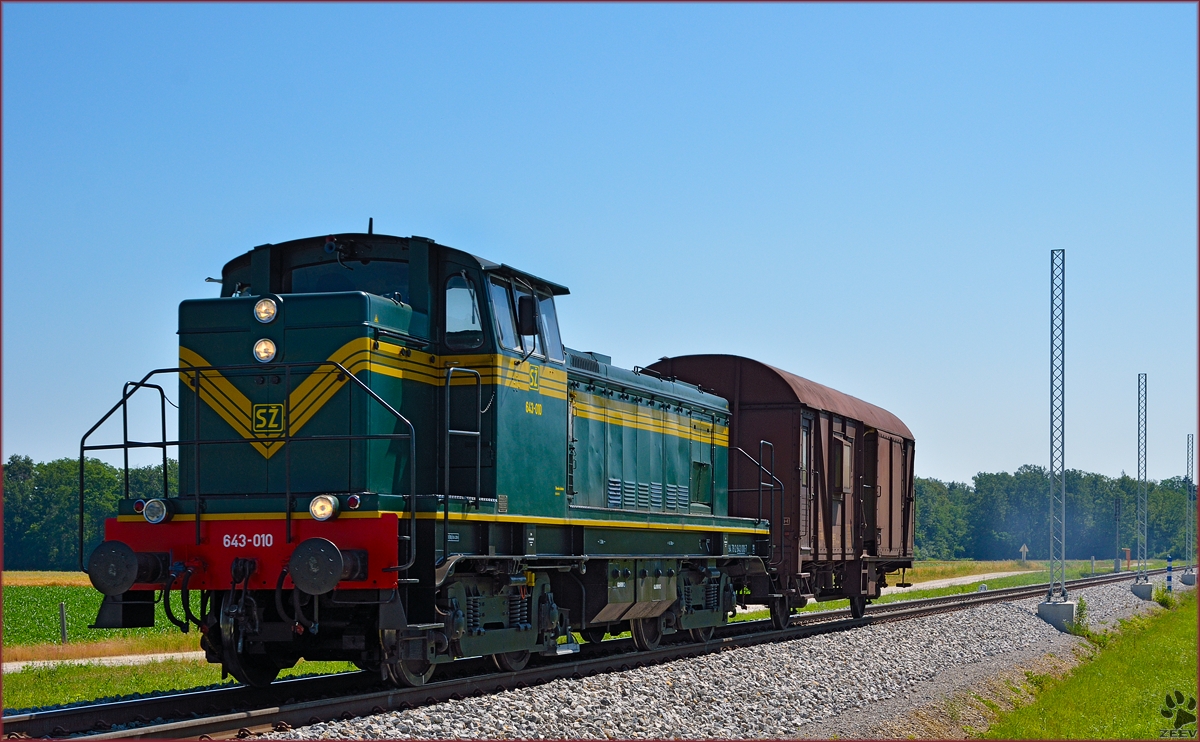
{"points": [[194, 376], [766, 487]]}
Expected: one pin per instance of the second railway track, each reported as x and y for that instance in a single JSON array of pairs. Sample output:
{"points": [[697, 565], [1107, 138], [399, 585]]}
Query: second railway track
{"points": [[240, 711]]}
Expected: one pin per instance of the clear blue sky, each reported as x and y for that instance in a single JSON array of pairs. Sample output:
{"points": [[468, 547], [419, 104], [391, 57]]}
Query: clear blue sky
{"points": [[863, 194]]}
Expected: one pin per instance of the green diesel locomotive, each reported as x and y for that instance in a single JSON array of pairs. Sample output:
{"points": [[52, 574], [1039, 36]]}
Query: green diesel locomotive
{"points": [[388, 456]]}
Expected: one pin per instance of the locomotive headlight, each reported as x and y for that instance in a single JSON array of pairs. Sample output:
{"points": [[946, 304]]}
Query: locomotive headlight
{"points": [[264, 350], [264, 310], [156, 511], [323, 507]]}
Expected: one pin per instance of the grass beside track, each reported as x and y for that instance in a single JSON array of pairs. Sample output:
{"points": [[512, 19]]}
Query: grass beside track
{"points": [[1074, 571], [1120, 692], [38, 687], [925, 571]]}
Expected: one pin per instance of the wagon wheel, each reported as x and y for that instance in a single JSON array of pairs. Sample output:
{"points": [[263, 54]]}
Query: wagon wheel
{"points": [[594, 634], [703, 634], [647, 632], [511, 661], [411, 673], [858, 606], [254, 670], [781, 613]]}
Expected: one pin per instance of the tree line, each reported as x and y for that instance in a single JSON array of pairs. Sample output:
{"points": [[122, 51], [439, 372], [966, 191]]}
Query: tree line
{"points": [[994, 515], [988, 519], [41, 507]]}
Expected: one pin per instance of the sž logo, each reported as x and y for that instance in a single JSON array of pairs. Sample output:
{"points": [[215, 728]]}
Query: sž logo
{"points": [[1183, 714]]}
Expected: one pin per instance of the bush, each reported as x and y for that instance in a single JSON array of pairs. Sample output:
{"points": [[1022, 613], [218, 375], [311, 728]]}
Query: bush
{"points": [[1164, 598]]}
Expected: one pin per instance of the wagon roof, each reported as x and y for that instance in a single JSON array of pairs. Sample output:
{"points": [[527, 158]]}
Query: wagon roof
{"points": [[814, 395]]}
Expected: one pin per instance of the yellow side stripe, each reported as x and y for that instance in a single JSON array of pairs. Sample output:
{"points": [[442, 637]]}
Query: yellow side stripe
{"points": [[477, 517], [361, 354], [296, 515]]}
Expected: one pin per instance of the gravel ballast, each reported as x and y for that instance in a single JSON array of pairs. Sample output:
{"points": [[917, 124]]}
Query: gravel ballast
{"points": [[789, 689]]}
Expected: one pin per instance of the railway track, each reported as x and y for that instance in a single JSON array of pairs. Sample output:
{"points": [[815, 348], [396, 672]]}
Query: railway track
{"points": [[240, 711]]}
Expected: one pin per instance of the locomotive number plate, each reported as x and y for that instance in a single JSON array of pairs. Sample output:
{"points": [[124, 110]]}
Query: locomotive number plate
{"points": [[239, 540], [268, 418]]}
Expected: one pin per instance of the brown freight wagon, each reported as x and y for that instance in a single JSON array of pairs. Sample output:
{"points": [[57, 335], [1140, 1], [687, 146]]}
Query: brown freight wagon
{"points": [[834, 475]]}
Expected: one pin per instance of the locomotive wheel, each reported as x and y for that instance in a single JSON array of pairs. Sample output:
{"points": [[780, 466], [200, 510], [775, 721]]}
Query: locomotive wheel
{"points": [[781, 613], [858, 606], [594, 635], [511, 661], [254, 670], [647, 632], [702, 635], [411, 673]]}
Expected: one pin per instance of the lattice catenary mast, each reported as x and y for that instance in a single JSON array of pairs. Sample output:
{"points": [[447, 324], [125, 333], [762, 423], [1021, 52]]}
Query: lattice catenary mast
{"points": [[1189, 547], [1142, 575], [1058, 484]]}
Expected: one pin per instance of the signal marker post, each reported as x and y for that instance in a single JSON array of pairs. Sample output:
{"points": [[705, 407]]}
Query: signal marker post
{"points": [[1056, 609]]}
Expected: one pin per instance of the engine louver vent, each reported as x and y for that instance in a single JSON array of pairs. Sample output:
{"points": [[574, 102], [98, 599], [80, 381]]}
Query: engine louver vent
{"points": [[614, 493], [584, 363]]}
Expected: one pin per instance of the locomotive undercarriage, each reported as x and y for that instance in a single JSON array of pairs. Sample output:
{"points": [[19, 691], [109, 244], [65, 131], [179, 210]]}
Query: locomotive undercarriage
{"points": [[504, 609]]}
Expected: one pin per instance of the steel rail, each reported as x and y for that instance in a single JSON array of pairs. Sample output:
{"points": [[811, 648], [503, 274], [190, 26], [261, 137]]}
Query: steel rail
{"points": [[239, 711]]}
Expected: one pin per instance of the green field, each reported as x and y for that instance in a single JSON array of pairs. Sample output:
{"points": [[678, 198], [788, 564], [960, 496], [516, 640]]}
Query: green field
{"points": [[1120, 693], [32, 688], [31, 616]]}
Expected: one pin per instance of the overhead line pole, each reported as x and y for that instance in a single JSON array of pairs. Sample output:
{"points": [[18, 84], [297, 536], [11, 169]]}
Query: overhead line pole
{"points": [[1141, 576], [1189, 547], [1058, 485]]}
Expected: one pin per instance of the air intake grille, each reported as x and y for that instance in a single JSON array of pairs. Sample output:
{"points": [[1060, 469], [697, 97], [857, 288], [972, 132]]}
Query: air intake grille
{"points": [[677, 494], [643, 495], [614, 493], [584, 363]]}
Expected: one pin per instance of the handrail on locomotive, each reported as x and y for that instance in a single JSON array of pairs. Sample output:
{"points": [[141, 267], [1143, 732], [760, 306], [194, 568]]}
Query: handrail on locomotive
{"points": [[476, 435], [196, 374], [769, 472]]}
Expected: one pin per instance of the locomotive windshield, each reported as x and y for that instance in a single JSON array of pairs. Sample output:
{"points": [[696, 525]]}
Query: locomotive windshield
{"points": [[380, 277], [547, 343]]}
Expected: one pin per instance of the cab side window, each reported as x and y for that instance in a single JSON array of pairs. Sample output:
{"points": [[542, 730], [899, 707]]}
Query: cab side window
{"points": [[536, 340], [554, 347], [464, 327], [502, 309]]}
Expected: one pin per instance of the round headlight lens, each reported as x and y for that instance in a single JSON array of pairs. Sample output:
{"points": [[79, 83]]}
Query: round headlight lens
{"points": [[264, 310], [323, 507], [264, 350], [156, 511]]}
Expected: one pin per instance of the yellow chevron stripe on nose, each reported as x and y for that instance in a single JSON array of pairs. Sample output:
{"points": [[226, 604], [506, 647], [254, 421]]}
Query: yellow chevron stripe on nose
{"points": [[360, 354]]}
